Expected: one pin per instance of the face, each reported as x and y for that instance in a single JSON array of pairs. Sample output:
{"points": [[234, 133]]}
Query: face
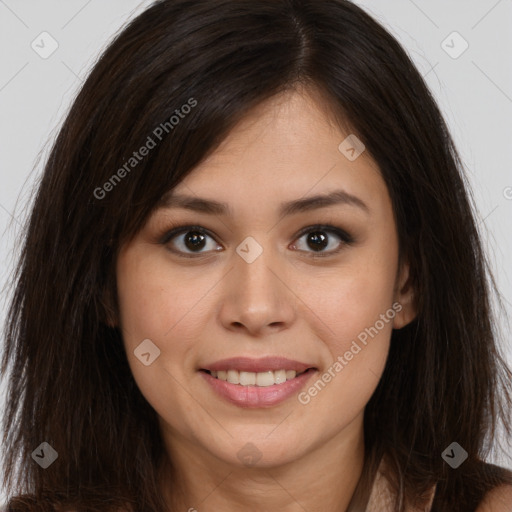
{"points": [[292, 300]]}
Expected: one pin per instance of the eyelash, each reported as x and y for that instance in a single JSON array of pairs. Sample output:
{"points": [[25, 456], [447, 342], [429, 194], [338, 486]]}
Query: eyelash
{"points": [[346, 238]]}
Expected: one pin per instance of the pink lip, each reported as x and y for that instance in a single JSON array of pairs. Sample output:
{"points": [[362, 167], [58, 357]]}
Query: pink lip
{"points": [[255, 396], [247, 364]]}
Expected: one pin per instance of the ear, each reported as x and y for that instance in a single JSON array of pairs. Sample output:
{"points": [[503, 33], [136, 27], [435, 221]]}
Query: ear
{"points": [[405, 297]]}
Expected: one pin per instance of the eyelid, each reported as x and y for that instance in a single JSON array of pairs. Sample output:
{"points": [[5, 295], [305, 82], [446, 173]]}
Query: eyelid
{"points": [[182, 228], [332, 228]]}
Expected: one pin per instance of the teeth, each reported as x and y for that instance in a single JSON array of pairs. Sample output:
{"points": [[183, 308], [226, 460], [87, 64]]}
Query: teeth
{"points": [[233, 377], [261, 379], [264, 379], [247, 378], [280, 376]]}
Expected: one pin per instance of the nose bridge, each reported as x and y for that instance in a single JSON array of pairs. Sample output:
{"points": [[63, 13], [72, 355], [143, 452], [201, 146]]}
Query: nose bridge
{"points": [[257, 295], [255, 263]]}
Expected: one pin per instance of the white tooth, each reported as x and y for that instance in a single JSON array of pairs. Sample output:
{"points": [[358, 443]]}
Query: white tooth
{"points": [[247, 378], [264, 379], [214, 373], [280, 376], [233, 377]]}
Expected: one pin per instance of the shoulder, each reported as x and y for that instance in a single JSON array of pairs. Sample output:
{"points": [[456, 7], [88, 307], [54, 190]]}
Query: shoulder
{"points": [[498, 499]]}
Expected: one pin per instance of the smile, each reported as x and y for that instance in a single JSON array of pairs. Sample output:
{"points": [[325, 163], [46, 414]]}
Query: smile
{"points": [[257, 383], [260, 379]]}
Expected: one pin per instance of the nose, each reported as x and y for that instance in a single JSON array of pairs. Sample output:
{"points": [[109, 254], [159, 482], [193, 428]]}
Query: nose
{"points": [[257, 299]]}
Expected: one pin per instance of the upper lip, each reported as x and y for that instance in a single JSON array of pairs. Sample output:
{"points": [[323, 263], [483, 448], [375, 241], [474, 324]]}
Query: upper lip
{"points": [[247, 364]]}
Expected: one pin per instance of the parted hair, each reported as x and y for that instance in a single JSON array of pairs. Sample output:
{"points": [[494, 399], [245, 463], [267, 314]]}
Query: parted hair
{"points": [[68, 379]]}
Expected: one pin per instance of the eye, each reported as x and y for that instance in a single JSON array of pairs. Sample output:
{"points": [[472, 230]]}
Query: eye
{"points": [[317, 240], [188, 238], [189, 241]]}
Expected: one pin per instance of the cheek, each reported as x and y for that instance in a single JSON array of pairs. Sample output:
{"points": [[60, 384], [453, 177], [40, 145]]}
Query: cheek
{"points": [[351, 299], [353, 314], [154, 302], [356, 329], [161, 306]]}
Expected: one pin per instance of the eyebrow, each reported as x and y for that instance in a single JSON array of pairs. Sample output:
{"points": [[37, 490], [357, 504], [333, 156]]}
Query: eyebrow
{"points": [[307, 204]]}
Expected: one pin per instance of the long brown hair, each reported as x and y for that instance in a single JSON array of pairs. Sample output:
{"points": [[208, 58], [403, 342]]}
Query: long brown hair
{"points": [[69, 383]]}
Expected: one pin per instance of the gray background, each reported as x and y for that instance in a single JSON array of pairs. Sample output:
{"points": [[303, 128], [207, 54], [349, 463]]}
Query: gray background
{"points": [[474, 91]]}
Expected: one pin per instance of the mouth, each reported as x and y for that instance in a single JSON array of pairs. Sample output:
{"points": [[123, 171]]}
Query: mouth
{"points": [[259, 379], [257, 383]]}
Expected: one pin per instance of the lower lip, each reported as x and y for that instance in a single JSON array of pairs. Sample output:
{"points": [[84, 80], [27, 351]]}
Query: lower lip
{"points": [[256, 396]]}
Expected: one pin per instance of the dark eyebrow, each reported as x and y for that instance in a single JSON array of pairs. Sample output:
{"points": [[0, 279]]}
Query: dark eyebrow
{"points": [[213, 207]]}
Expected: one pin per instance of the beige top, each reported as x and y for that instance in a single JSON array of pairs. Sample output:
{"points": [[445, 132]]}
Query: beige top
{"points": [[382, 500]]}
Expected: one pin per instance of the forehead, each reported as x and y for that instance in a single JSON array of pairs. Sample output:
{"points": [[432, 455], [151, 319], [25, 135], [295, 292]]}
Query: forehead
{"points": [[286, 148]]}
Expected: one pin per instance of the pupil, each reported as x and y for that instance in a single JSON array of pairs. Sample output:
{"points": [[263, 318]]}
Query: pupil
{"points": [[319, 239], [194, 240]]}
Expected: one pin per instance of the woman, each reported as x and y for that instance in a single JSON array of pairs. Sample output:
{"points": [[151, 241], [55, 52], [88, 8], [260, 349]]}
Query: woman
{"points": [[252, 279]]}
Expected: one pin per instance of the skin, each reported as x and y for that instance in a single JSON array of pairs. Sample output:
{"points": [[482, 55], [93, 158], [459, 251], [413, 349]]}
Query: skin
{"points": [[497, 500], [214, 306]]}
